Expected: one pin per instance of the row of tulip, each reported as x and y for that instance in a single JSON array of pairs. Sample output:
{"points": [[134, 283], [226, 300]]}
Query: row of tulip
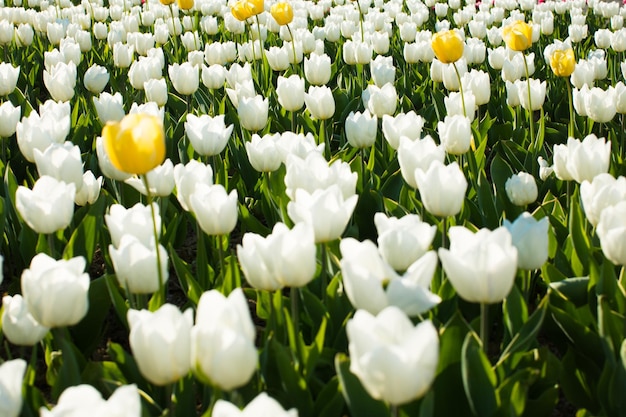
{"points": [[431, 229]]}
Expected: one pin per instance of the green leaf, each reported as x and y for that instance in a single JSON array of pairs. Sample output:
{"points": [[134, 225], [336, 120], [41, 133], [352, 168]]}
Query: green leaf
{"points": [[479, 379], [572, 289], [358, 400], [69, 371], [119, 303], [578, 233], [88, 332], [295, 386], [515, 311], [329, 402], [528, 333], [127, 365], [185, 277]]}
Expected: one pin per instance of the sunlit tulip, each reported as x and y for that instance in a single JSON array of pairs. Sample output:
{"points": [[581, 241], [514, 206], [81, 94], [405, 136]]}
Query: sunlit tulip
{"points": [[326, 210], [135, 264], [213, 76], [208, 135], [215, 209], [143, 70], [135, 221], [481, 266], [262, 404], [156, 91], [18, 325], [8, 78], [603, 191], [403, 124], [600, 105], [475, 51], [284, 258], [136, 144], [110, 108], [48, 207], [263, 152], [588, 158], [402, 241], [241, 10], [160, 180], [96, 78], [442, 188], [320, 102], [89, 191], [372, 284], [496, 57], [521, 189], [317, 69], [9, 118], [612, 233], [282, 12], [278, 58], [56, 292], [187, 177], [86, 400], [395, 360], [455, 133], [290, 92], [164, 333], [518, 35], [185, 4], [457, 105], [479, 84], [223, 353], [253, 112], [24, 34], [537, 93], [11, 381], [560, 156], [530, 237], [185, 78], [418, 154], [60, 81], [300, 145], [361, 129], [380, 101], [312, 172]]}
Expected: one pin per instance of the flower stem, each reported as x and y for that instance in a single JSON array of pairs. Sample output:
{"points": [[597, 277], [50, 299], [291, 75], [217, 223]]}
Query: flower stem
{"points": [[570, 130], [530, 107], [458, 77], [156, 239], [484, 326]]}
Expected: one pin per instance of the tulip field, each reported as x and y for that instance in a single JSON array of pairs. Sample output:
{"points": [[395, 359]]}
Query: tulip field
{"points": [[405, 208]]}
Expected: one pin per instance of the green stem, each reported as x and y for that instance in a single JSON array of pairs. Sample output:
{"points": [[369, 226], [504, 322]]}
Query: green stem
{"points": [[530, 107], [484, 326], [324, 272], [458, 77], [293, 46], [155, 233], [393, 410], [51, 245], [570, 130], [295, 319], [220, 255]]}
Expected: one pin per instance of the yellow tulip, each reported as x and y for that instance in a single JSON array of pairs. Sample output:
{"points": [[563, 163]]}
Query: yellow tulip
{"points": [[518, 36], [563, 62], [282, 12], [167, 2], [241, 10], [185, 4], [136, 144], [257, 6], [448, 46]]}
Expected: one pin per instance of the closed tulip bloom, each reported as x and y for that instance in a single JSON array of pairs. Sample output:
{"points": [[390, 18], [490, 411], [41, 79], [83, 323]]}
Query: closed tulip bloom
{"points": [[313, 172], [395, 360], [448, 46], [185, 4], [110, 108], [263, 152], [418, 154], [123, 55], [56, 292], [371, 284], [455, 133], [135, 264], [89, 191], [156, 91], [563, 62], [60, 81], [185, 78], [213, 76], [361, 129], [9, 118], [11, 381], [481, 266], [518, 36], [600, 105], [380, 101], [442, 188], [136, 144], [61, 161], [320, 102], [560, 155], [603, 191], [187, 177], [402, 241], [135, 221], [253, 112], [588, 158], [48, 207], [96, 78], [284, 258], [261, 405], [290, 92], [222, 341], [8, 78], [326, 210], [105, 165], [403, 124], [521, 189], [282, 12], [160, 342], [317, 69], [612, 233], [80, 400], [241, 10], [530, 237], [208, 135], [278, 58], [18, 325], [479, 84], [215, 209]]}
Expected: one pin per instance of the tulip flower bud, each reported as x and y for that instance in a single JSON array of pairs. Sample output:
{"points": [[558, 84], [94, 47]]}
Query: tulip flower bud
{"points": [[521, 189], [136, 144], [18, 325], [282, 12], [241, 10], [563, 62], [11, 376], [530, 237], [518, 36], [185, 4], [448, 46]]}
